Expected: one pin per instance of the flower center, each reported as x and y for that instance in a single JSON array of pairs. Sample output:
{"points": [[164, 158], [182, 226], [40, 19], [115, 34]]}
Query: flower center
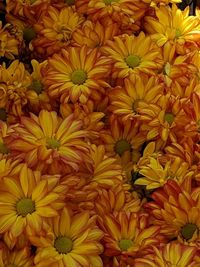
{"points": [[169, 117], [25, 206], [121, 146], [109, 2], [29, 34], [3, 114], [4, 149], [188, 230], [135, 105], [132, 61], [36, 85], [79, 77], [11, 265], [63, 244], [125, 244], [178, 33], [53, 143], [70, 2]]}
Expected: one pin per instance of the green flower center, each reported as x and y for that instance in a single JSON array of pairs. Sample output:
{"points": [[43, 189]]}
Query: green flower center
{"points": [[79, 77], [25, 206], [135, 105], [11, 265], [125, 244], [109, 2], [36, 86], [121, 146], [188, 230], [70, 2], [169, 117], [178, 33], [63, 244], [132, 61], [3, 114], [53, 143], [29, 34], [4, 149]]}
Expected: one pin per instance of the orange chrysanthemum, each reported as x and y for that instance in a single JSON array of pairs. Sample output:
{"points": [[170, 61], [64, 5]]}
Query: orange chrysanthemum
{"points": [[132, 54], [47, 141], [77, 72], [74, 241], [176, 210]]}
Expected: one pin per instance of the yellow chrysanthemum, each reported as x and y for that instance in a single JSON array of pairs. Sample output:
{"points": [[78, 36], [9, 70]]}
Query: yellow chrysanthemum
{"points": [[172, 254], [55, 29], [132, 54], [155, 175], [94, 34], [76, 72], [47, 141], [8, 44], [14, 82], [74, 241], [174, 26], [27, 200], [16, 258], [176, 210], [128, 235], [125, 101]]}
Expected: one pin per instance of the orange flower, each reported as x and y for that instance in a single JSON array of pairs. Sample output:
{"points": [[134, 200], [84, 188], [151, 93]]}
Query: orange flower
{"points": [[132, 54], [47, 141], [76, 72]]}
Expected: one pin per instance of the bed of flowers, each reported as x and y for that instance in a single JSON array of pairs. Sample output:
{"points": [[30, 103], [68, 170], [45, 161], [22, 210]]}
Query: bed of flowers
{"points": [[99, 134]]}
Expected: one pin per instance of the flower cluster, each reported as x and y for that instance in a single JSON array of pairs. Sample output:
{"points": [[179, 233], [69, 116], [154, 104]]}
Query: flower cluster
{"points": [[99, 134]]}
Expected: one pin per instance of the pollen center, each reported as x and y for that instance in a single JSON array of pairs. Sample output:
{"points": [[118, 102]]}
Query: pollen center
{"points": [[29, 34], [169, 117], [70, 2], [3, 148], [79, 77], [125, 244], [178, 33], [132, 61], [63, 244], [3, 114], [109, 2], [135, 105], [25, 206], [188, 230], [121, 146], [11, 265], [53, 143], [36, 85]]}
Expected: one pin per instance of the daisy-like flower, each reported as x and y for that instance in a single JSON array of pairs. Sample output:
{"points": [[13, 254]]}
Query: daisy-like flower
{"points": [[123, 140], [37, 97], [125, 101], [55, 29], [174, 26], [94, 34], [132, 54], [27, 200], [172, 254], [176, 210], [76, 72], [74, 241], [14, 82], [47, 141], [155, 175], [128, 235], [8, 44]]}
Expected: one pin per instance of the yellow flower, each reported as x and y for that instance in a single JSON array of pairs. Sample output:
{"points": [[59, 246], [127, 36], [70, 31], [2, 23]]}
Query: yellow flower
{"points": [[74, 241], [76, 72], [94, 34], [14, 82], [132, 54], [55, 29], [172, 254], [8, 44], [26, 200], [47, 141], [155, 175], [14, 258], [174, 26], [176, 210], [125, 101]]}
